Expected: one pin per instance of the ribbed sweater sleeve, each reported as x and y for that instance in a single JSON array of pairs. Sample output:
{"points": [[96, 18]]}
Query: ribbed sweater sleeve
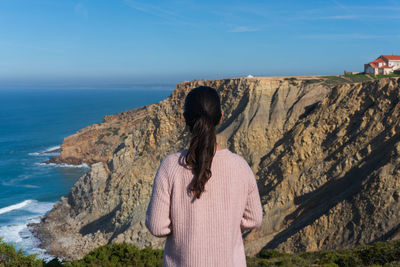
{"points": [[158, 219], [252, 216]]}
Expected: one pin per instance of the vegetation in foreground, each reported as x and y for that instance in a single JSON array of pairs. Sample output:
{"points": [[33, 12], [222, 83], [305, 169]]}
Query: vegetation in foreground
{"points": [[123, 254], [378, 254]]}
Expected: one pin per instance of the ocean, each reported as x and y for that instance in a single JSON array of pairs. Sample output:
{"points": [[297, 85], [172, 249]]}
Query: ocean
{"points": [[35, 121]]}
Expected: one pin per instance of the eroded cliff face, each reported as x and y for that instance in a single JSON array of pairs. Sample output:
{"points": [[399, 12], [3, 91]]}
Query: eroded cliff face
{"points": [[333, 180], [327, 166]]}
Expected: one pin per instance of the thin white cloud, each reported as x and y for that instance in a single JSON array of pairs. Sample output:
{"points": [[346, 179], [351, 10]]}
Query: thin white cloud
{"points": [[154, 10], [341, 11], [81, 10], [345, 36], [178, 12], [383, 16], [244, 29], [338, 4], [335, 17]]}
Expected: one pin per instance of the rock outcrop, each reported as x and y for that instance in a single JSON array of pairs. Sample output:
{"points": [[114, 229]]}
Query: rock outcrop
{"points": [[333, 180], [326, 158], [99, 141]]}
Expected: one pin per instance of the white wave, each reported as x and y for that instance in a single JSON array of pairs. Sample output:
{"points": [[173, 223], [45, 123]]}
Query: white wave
{"points": [[13, 181], [43, 154], [18, 233], [31, 205], [47, 152], [30, 186], [20, 236], [39, 207], [9, 233], [16, 206], [53, 148], [63, 165]]}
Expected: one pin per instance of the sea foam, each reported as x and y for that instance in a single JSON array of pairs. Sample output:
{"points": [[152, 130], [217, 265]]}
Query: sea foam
{"points": [[51, 151], [63, 165], [17, 231], [16, 206]]}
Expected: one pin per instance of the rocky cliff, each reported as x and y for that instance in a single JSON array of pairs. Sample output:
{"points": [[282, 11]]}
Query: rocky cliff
{"points": [[333, 180], [326, 159]]}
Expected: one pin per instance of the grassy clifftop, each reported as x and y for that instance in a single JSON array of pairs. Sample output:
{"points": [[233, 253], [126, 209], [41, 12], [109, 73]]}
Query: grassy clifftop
{"points": [[333, 80], [354, 78]]}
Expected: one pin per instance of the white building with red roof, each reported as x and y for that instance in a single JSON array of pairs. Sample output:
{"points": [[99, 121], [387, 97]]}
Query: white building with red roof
{"points": [[385, 64]]}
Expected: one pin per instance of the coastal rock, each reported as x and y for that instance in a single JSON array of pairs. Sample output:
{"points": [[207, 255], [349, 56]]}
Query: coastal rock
{"points": [[98, 142], [326, 159]]}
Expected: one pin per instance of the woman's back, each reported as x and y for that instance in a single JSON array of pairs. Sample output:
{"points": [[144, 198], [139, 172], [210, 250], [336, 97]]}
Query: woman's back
{"points": [[204, 231]]}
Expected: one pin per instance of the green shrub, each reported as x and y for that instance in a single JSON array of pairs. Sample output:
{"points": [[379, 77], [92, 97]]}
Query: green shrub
{"points": [[339, 257], [270, 253], [392, 264], [120, 254], [53, 263], [385, 254], [360, 77], [292, 80], [311, 81], [348, 260], [329, 265], [379, 253], [292, 261], [257, 262], [380, 76], [9, 257], [334, 80]]}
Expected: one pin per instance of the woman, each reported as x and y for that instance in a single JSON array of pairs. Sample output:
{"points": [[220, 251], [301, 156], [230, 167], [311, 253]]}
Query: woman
{"points": [[205, 195]]}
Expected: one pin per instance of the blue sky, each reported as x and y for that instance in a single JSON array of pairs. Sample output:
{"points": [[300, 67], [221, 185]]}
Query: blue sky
{"points": [[170, 41]]}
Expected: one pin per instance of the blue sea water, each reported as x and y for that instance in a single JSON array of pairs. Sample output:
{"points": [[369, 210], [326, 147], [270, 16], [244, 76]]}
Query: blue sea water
{"points": [[37, 120]]}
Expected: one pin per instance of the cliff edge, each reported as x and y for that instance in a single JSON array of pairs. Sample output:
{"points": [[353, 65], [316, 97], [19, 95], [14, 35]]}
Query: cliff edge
{"points": [[326, 160]]}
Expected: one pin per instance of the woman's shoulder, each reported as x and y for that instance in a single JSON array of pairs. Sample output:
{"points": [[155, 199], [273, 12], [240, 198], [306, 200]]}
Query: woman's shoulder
{"points": [[171, 158], [174, 159], [237, 162], [234, 157], [178, 158]]}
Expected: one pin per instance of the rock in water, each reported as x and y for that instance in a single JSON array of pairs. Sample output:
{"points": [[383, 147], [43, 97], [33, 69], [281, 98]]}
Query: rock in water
{"points": [[326, 158]]}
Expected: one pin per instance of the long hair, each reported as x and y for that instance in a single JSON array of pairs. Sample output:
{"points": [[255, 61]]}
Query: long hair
{"points": [[202, 113]]}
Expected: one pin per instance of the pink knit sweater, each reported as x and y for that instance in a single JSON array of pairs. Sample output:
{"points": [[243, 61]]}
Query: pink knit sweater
{"points": [[206, 232]]}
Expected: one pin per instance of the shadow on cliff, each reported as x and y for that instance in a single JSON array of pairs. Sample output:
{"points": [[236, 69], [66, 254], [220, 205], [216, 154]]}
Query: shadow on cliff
{"points": [[266, 189], [103, 224], [316, 203], [239, 109], [352, 132]]}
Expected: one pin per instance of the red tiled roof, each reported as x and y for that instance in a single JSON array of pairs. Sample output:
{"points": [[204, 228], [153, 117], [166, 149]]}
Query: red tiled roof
{"points": [[384, 67], [378, 60], [391, 57], [373, 65]]}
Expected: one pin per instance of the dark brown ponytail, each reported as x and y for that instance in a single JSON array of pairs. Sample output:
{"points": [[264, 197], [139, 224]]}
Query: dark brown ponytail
{"points": [[202, 114]]}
